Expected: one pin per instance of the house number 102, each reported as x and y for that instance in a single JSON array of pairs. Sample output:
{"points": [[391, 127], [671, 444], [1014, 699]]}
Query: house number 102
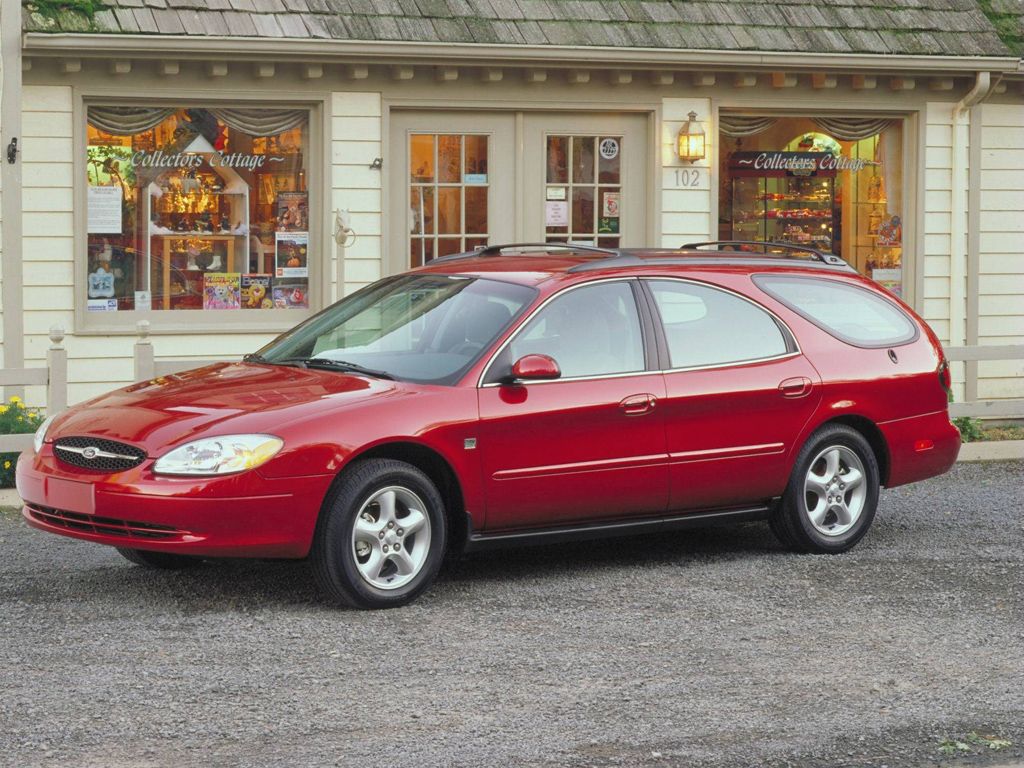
{"points": [[688, 177]]}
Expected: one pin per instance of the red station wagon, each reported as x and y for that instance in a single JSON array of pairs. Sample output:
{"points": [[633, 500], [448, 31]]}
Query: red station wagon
{"points": [[511, 395]]}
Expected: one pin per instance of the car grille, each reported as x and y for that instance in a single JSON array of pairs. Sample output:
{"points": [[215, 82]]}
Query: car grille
{"points": [[104, 526], [97, 454]]}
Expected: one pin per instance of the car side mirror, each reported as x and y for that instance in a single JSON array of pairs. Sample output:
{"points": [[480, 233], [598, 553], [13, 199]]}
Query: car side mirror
{"points": [[535, 368]]}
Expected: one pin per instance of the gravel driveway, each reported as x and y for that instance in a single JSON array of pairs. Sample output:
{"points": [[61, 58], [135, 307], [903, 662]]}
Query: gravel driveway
{"points": [[708, 648]]}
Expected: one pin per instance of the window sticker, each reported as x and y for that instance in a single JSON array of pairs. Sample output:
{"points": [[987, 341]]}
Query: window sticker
{"points": [[609, 148]]}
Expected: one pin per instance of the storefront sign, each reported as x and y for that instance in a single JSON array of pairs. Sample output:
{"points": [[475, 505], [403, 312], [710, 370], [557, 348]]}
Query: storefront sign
{"points": [[161, 159], [557, 193], [794, 163], [104, 205]]}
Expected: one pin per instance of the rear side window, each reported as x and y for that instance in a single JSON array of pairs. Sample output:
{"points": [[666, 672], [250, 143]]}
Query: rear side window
{"points": [[704, 326], [848, 312]]}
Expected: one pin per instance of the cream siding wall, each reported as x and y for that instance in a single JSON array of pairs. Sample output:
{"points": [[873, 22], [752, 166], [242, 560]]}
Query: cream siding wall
{"points": [[1001, 279], [937, 304], [357, 137], [48, 232], [685, 211]]}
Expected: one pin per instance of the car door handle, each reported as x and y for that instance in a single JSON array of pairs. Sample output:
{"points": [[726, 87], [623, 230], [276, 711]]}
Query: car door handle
{"points": [[799, 386], [637, 405]]}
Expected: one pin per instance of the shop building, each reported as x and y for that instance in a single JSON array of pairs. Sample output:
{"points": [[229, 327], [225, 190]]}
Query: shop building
{"points": [[224, 169]]}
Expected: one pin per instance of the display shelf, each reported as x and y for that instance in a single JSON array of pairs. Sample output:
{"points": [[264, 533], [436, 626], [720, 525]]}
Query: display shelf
{"points": [[782, 197]]}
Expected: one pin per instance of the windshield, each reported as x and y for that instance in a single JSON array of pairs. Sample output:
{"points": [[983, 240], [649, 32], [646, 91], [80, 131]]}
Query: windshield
{"points": [[418, 327]]}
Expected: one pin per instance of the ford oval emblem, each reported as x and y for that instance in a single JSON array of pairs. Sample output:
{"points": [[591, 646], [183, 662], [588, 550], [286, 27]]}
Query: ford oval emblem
{"points": [[90, 452]]}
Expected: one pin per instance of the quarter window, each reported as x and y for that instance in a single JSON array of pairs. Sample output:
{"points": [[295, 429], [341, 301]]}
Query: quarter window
{"points": [[850, 313], [704, 326], [591, 331]]}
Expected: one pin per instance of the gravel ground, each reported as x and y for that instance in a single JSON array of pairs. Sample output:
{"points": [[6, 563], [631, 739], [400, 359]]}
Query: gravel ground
{"points": [[709, 648]]}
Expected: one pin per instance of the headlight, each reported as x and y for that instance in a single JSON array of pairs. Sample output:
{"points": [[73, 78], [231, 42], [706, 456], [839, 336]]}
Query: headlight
{"points": [[219, 455], [40, 435]]}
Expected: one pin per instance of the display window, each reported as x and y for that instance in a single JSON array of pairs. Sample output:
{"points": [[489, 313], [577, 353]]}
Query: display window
{"points": [[197, 208], [833, 184]]}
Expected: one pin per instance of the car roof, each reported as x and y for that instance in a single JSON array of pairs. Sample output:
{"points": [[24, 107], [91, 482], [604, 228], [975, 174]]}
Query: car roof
{"points": [[534, 263]]}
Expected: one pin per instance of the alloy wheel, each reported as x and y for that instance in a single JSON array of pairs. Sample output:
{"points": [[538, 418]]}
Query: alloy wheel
{"points": [[835, 490], [391, 537]]}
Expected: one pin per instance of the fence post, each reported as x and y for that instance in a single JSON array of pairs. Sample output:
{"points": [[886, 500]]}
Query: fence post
{"points": [[145, 368], [57, 362]]}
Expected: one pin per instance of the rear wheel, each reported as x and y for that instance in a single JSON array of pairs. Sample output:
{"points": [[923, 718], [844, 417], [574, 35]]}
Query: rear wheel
{"points": [[381, 537], [832, 495], [164, 561]]}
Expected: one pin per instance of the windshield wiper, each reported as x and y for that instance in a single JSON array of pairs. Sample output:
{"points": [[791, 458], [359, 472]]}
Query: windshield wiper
{"points": [[342, 365]]}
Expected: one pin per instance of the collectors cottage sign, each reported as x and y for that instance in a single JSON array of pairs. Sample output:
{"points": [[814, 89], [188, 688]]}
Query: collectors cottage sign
{"points": [[793, 163], [161, 159]]}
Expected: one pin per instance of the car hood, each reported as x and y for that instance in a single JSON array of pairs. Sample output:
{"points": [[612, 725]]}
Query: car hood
{"points": [[224, 398]]}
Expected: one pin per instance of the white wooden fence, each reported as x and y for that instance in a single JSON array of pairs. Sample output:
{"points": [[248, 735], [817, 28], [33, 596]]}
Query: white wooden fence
{"points": [[1002, 409], [54, 377]]}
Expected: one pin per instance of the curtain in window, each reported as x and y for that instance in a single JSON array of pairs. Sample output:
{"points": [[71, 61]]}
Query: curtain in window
{"points": [[261, 122], [127, 121], [742, 125], [852, 128]]}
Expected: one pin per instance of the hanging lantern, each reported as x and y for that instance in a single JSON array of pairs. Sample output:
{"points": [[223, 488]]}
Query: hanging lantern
{"points": [[691, 140]]}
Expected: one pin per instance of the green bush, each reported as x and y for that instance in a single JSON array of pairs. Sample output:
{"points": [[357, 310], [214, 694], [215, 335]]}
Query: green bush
{"points": [[15, 419], [970, 429]]}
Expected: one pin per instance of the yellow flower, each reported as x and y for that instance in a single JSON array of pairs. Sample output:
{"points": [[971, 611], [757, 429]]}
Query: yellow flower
{"points": [[7, 465], [3, 409], [15, 399]]}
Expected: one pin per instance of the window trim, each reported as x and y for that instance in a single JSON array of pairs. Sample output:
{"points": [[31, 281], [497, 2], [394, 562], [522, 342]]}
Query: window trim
{"points": [[528, 318], [168, 322], [759, 279], [792, 345]]}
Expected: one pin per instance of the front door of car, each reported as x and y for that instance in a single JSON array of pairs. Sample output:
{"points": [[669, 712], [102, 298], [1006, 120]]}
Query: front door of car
{"points": [[589, 445], [739, 394]]}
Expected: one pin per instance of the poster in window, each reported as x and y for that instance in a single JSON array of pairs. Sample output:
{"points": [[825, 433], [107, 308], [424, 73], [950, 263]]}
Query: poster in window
{"points": [[105, 205], [222, 290], [890, 231], [292, 212], [291, 254], [256, 291], [291, 294]]}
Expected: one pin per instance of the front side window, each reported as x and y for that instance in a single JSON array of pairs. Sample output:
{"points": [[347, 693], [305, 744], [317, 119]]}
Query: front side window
{"points": [[850, 313], [705, 326], [197, 208], [590, 331], [418, 327]]}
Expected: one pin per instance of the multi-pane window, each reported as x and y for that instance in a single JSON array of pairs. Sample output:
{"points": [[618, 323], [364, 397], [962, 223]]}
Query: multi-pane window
{"points": [[583, 193], [448, 186]]}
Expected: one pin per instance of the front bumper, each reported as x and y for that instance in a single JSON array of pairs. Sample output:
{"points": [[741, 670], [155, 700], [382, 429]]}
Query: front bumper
{"points": [[243, 515]]}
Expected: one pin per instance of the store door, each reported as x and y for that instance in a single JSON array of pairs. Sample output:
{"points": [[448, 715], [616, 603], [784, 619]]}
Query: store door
{"points": [[586, 178], [452, 184]]}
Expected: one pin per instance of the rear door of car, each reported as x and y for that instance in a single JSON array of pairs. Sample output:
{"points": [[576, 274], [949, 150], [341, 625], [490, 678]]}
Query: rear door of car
{"points": [[738, 394], [590, 445]]}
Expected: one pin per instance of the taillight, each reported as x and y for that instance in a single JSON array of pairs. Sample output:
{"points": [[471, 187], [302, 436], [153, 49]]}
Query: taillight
{"points": [[945, 378]]}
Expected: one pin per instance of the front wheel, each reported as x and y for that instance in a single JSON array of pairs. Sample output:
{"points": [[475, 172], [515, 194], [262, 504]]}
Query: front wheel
{"points": [[381, 537], [832, 494]]}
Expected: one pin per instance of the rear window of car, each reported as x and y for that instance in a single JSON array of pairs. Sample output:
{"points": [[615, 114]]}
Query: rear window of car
{"points": [[848, 312]]}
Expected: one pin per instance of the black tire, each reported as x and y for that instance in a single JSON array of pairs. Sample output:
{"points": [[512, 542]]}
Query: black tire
{"points": [[334, 558], [791, 521], [164, 561]]}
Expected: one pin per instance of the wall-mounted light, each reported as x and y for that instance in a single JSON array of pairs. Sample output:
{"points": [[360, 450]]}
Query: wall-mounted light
{"points": [[690, 142]]}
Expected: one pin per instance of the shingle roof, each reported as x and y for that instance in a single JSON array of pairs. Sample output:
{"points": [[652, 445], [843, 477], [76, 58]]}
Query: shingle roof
{"points": [[939, 27]]}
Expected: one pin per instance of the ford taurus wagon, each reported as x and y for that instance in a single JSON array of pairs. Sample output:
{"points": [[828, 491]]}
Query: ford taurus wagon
{"points": [[516, 394]]}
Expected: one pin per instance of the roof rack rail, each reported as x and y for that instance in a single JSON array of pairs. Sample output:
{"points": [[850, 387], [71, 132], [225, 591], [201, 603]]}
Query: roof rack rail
{"points": [[497, 250], [744, 246]]}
